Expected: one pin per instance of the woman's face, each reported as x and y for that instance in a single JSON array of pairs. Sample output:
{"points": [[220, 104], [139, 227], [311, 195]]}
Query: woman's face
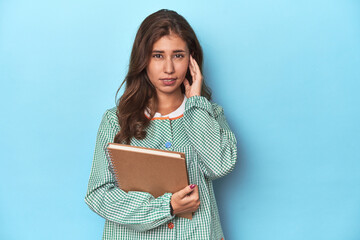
{"points": [[168, 64]]}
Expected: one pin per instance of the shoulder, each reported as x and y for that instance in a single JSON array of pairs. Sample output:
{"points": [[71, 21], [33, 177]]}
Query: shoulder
{"points": [[218, 110], [111, 113], [111, 117], [203, 103]]}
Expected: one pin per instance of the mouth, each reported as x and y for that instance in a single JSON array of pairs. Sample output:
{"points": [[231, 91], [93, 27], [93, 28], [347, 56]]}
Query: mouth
{"points": [[168, 81]]}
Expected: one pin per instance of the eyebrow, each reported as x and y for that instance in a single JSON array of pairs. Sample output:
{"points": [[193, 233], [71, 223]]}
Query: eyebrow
{"points": [[175, 51]]}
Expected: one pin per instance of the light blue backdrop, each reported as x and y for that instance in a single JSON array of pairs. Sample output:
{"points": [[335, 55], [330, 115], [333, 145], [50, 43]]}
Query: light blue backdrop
{"points": [[286, 72]]}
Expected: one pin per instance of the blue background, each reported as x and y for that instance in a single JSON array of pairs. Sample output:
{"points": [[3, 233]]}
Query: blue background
{"points": [[286, 72]]}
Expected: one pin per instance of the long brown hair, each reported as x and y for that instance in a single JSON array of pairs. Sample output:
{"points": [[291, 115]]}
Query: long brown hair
{"points": [[138, 89]]}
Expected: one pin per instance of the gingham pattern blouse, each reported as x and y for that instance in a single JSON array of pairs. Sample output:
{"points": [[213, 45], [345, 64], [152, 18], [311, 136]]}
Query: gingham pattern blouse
{"points": [[203, 134]]}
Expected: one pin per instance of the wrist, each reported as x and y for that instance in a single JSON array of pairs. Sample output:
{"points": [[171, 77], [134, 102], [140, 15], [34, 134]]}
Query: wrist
{"points": [[192, 95]]}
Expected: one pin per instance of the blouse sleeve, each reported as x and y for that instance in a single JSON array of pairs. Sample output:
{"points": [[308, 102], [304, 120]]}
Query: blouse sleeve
{"points": [[210, 136], [139, 211]]}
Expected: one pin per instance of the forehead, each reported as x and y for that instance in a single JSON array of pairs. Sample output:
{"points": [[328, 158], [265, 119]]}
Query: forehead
{"points": [[170, 43]]}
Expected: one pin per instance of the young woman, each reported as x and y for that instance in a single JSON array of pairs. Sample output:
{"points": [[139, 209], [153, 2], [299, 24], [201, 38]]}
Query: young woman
{"points": [[165, 105]]}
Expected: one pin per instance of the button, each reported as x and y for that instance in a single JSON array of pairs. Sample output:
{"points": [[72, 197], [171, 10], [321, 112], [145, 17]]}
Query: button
{"points": [[170, 225], [168, 144]]}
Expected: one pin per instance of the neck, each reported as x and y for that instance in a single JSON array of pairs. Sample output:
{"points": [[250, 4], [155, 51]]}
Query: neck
{"points": [[168, 103]]}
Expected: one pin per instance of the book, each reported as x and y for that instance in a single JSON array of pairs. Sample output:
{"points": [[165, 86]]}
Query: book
{"points": [[148, 170]]}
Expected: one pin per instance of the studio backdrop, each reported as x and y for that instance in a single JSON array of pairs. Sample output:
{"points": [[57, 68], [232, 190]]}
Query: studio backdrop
{"points": [[287, 74]]}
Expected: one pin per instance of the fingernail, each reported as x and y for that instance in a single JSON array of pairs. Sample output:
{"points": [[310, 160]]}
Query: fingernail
{"points": [[192, 186]]}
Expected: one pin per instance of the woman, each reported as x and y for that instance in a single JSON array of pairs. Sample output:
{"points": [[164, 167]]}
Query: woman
{"points": [[165, 105]]}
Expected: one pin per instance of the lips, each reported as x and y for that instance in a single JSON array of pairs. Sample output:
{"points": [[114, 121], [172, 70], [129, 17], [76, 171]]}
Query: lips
{"points": [[168, 81]]}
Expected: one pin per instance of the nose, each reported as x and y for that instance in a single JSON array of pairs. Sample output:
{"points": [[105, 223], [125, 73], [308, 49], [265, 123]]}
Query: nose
{"points": [[169, 66]]}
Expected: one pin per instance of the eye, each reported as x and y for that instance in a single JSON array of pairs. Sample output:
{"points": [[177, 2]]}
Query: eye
{"points": [[179, 55], [157, 56]]}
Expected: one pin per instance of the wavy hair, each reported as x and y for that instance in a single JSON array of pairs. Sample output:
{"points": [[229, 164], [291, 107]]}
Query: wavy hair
{"points": [[138, 89]]}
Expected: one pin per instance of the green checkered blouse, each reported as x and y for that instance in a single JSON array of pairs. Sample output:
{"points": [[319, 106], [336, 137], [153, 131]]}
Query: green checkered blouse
{"points": [[203, 134]]}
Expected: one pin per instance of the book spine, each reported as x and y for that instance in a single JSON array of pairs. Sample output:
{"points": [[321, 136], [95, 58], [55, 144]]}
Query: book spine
{"points": [[111, 165]]}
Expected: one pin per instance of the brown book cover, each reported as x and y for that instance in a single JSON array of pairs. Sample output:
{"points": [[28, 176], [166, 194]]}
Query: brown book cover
{"points": [[148, 170]]}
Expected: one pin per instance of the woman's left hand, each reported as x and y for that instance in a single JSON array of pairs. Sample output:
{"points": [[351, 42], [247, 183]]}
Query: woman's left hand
{"points": [[197, 78]]}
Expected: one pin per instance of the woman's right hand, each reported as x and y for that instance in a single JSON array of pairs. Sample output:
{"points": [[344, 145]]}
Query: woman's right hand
{"points": [[185, 200]]}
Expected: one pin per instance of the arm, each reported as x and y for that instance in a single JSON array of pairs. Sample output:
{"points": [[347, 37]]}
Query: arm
{"points": [[211, 136], [139, 211]]}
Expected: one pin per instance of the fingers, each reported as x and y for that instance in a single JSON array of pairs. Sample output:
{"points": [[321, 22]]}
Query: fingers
{"points": [[194, 67], [192, 201], [186, 190], [196, 192], [186, 200]]}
